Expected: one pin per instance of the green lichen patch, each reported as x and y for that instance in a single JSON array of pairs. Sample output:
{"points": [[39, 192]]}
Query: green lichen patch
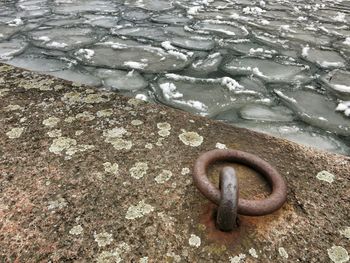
{"points": [[38, 83], [164, 126], [4, 92], [139, 210], [13, 107], [139, 170], [51, 122], [85, 116], [345, 232], [114, 255], [79, 132], [135, 102], [69, 119], [238, 259], [191, 138], [194, 241], [54, 133], [103, 239], [15, 133], [143, 260], [220, 146], [116, 132], [74, 97], [76, 230], [149, 146], [282, 252], [57, 204], [104, 113], [111, 168], [185, 171], [253, 253], [164, 129], [68, 145], [136, 122], [325, 176], [338, 254], [119, 144], [164, 176]]}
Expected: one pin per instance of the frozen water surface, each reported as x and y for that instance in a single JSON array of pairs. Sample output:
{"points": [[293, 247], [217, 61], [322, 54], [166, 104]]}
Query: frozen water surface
{"points": [[280, 67]]}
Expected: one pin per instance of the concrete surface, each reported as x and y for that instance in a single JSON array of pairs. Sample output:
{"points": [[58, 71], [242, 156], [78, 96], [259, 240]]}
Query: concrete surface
{"points": [[90, 176]]}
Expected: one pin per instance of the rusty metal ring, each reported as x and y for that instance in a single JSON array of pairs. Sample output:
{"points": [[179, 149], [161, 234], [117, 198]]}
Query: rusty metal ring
{"points": [[245, 207], [226, 217]]}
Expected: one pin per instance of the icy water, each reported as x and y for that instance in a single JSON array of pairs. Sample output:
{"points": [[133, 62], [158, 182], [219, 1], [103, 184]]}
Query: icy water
{"points": [[280, 67]]}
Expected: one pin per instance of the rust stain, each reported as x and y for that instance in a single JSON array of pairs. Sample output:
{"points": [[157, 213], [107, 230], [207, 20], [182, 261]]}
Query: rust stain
{"points": [[229, 239], [249, 226]]}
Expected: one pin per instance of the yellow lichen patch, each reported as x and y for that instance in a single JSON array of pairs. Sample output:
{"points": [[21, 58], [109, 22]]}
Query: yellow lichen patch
{"points": [[119, 144], [79, 148], [185, 171], [15, 133], [143, 260], [139, 210], [69, 119], [85, 116], [76, 230], [36, 83], [253, 253], [57, 204], [111, 168], [103, 239], [135, 102], [54, 133], [72, 97], [113, 136], [164, 176], [164, 133], [325, 176], [109, 257], [136, 122], [58, 87], [238, 259], [79, 132], [4, 92], [104, 113], [51, 122], [338, 254], [345, 232], [12, 107], [163, 126], [5, 68], [139, 170], [164, 129], [191, 138], [67, 145], [114, 133], [283, 253], [194, 241], [77, 97], [115, 255], [220, 146], [149, 146], [95, 98], [61, 144], [159, 142]]}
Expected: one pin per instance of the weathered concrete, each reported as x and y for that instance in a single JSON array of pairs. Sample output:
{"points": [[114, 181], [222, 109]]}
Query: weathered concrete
{"points": [[89, 175]]}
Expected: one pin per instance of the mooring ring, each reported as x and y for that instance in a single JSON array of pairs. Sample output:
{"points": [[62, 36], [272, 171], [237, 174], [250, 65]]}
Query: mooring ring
{"points": [[245, 207], [226, 217]]}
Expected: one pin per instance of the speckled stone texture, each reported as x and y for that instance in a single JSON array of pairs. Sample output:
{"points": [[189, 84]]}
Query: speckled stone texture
{"points": [[89, 176]]}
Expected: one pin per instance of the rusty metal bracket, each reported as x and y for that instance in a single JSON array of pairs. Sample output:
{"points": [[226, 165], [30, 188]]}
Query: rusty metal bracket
{"points": [[227, 212], [245, 207]]}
